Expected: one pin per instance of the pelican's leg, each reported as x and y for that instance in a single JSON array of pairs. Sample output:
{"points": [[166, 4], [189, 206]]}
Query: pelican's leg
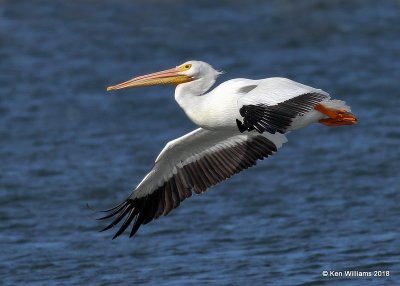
{"points": [[336, 116]]}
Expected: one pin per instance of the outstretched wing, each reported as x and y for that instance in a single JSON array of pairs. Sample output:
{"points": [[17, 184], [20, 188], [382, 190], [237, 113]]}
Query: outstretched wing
{"points": [[273, 104], [191, 163]]}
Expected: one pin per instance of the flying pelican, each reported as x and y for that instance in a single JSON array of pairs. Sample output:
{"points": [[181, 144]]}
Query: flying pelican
{"points": [[240, 121]]}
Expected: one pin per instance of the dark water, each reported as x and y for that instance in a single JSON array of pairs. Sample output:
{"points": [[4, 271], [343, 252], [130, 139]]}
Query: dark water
{"points": [[329, 200]]}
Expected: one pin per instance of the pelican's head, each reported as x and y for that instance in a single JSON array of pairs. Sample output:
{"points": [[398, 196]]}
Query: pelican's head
{"points": [[186, 72]]}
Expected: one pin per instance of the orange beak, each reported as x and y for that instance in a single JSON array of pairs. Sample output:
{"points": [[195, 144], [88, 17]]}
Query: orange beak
{"points": [[170, 76]]}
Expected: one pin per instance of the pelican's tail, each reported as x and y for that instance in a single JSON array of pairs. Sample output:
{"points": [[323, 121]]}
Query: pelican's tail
{"points": [[337, 112]]}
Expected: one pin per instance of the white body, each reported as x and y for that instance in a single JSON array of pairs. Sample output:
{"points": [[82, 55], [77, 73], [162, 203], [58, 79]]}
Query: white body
{"points": [[223, 145], [219, 108], [217, 111]]}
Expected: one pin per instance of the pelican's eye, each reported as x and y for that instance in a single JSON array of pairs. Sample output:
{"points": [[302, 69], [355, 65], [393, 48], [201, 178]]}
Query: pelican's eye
{"points": [[185, 67]]}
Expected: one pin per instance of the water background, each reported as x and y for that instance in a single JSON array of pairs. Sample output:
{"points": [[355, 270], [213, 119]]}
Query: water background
{"points": [[328, 200]]}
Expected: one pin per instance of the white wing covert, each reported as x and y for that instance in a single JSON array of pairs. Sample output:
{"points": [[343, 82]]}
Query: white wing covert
{"points": [[274, 103], [191, 163]]}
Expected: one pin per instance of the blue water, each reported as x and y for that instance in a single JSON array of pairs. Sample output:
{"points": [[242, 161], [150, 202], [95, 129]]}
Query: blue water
{"points": [[328, 200]]}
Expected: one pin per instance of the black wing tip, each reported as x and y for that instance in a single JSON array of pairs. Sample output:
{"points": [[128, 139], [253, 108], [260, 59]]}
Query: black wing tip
{"points": [[240, 126], [130, 208], [277, 118]]}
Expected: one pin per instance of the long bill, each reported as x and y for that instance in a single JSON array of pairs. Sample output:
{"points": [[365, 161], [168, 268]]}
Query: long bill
{"points": [[169, 76]]}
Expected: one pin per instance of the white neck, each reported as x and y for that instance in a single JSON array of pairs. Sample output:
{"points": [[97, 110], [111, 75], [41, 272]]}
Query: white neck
{"points": [[191, 98]]}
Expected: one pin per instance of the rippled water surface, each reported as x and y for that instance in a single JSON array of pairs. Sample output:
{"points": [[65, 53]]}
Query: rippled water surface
{"points": [[328, 200]]}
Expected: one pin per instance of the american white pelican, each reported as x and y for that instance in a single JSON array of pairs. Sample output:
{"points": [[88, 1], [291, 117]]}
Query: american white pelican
{"points": [[241, 121]]}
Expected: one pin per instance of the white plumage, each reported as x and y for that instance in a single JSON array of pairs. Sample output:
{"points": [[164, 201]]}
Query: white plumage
{"points": [[241, 121], [191, 148]]}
